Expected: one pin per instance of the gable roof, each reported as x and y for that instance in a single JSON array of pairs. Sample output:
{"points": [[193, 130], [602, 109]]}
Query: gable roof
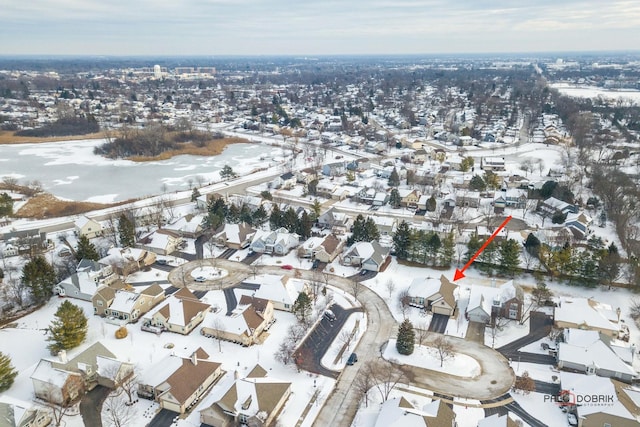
{"points": [[189, 376]]}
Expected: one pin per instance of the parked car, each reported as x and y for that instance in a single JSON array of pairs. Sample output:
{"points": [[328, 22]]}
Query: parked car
{"points": [[364, 272], [315, 264], [352, 359], [287, 267], [161, 261], [200, 279], [329, 315], [572, 419]]}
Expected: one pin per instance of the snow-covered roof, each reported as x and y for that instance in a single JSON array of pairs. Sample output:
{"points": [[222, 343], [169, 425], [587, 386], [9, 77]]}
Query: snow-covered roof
{"points": [[589, 385], [124, 301], [486, 296], [582, 311], [156, 374], [597, 354], [274, 288], [45, 372]]}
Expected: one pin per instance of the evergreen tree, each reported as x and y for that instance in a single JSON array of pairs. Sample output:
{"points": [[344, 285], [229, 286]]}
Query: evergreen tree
{"points": [[290, 219], [40, 277], [6, 205], [304, 225], [394, 198], [86, 250], [432, 245], [227, 172], [302, 307], [448, 250], [394, 178], [216, 213], [126, 232], [402, 240], [609, 264], [371, 230], [233, 214], [487, 258], [358, 230], [491, 180], [68, 329], [509, 257], [532, 245], [406, 338], [275, 219], [195, 194], [477, 183], [316, 208], [431, 204], [472, 247], [7, 372], [245, 215], [466, 164], [259, 216]]}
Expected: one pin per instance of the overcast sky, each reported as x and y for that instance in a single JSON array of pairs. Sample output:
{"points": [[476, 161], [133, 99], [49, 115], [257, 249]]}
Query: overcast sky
{"points": [[315, 27]]}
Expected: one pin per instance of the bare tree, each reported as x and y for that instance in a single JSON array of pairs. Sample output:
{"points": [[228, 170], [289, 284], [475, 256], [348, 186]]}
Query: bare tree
{"points": [[421, 332], [363, 383], [58, 411], [391, 286], [345, 339], [524, 383], [385, 375], [355, 287], [496, 327], [316, 285], [403, 301], [117, 412], [216, 329], [443, 349]]}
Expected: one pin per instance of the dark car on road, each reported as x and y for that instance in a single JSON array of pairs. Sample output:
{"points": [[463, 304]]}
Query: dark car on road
{"points": [[352, 359]]}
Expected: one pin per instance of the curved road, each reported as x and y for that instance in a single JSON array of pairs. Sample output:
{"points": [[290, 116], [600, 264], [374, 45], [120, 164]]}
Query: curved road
{"points": [[495, 379]]}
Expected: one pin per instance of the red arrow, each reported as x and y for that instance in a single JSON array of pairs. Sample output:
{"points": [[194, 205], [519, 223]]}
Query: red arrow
{"points": [[460, 273]]}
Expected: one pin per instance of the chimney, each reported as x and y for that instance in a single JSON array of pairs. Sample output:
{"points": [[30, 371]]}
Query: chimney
{"points": [[62, 355]]}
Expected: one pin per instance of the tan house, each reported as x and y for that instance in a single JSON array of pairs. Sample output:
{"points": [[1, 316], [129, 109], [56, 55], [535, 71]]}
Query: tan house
{"points": [[329, 249], [583, 313], [177, 383], [87, 227], [254, 400], [125, 261], [244, 324], [56, 385], [129, 305], [435, 295], [162, 242], [409, 197], [180, 312], [234, 236], [399, 411], [18, 413]]}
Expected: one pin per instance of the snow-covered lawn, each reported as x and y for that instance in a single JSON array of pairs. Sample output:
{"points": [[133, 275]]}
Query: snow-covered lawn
{"points": [[153, 275], [426, 357], [547, 412], [508, 333], [536, 371], [208, 272]]}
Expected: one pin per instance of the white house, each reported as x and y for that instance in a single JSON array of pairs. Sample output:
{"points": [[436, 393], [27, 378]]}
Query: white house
{"points": [[278, 242], [87, 227]]}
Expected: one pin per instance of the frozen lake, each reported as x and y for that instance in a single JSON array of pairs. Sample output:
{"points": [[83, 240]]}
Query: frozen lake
{"points": [[577, 91], [70, 170]]}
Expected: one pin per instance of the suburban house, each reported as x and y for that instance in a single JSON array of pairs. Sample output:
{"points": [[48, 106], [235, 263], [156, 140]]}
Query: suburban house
{"points": [[583, 313], [285, 181], [19, 413], [254, 400], [161, 241], [87, 227], [56, 385], [177, 383], [398, 411], [504, 301], [65, 380], [408, 197], [594, 354], [338, 222], [104, 296], [127, 305], [497, 420], [386, 225], [334, 169], [325, 188], [468, 199], [278, 242], [435, 295], [579, 225], [552, 206], [244, 324], [181, 312], [324, 249], [125, 261], [189, 226], [234, 236], [282, 291], [619, 407], [367, 255], [85, 281], [492, 164]]}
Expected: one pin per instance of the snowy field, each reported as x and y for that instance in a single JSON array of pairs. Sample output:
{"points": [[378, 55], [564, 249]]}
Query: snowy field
{"points": [[426, 357], [577, 91]]}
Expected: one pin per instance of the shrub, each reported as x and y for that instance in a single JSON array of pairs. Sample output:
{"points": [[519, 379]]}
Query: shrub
{"points": [[121, 333]]}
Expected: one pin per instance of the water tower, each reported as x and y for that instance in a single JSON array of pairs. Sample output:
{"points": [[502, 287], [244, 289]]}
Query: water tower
{"points": [[157, 72]]}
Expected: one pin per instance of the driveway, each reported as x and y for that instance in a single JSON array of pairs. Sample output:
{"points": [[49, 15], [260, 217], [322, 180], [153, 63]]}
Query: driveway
{"points": [[164, 418], [314, 347], [475, 332], [438, 323], [539, 327], [91, 406]]}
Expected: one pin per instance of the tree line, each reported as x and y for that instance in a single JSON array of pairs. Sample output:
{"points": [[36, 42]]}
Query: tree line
{"points": [[424, 247]]}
